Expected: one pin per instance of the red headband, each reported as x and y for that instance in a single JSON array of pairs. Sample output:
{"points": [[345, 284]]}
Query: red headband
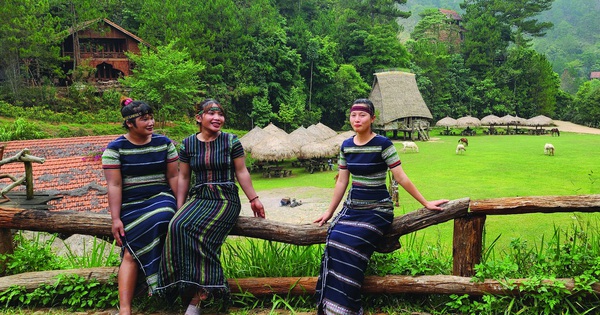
{"points": [[361, 108]]}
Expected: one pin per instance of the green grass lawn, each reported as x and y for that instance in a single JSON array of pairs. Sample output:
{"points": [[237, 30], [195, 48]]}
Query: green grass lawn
{"points": [[492, 167]]}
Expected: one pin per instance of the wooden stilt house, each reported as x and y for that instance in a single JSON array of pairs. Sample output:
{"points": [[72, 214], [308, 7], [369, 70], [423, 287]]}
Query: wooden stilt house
{"points": [[101, 44], [399, 106]]}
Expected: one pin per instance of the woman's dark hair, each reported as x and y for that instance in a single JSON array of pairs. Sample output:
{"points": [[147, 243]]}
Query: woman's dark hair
{"points": [[133, 110], [367, 102]]}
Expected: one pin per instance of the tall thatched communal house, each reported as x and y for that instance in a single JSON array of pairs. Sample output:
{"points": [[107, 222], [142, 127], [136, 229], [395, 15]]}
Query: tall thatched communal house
{"points": [[399, 105]]}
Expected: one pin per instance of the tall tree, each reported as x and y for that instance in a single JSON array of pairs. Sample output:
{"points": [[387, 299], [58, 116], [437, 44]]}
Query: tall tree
{"points": [[167, 78], [29, 38], [587, 104]]}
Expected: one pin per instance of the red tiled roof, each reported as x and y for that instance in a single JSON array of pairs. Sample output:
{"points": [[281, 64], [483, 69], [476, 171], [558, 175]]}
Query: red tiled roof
{"points": [[451, 14], [70, 170], [595, 75]]}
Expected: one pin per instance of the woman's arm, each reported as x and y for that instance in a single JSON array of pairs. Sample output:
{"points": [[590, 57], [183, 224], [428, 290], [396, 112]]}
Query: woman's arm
{"points": [[403, 180], [114, 182], [172, 176], [339, 191], [183, 183], [243, 177]]}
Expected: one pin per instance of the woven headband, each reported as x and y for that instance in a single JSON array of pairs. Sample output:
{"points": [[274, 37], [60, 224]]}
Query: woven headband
{"points": [[361, 108]]}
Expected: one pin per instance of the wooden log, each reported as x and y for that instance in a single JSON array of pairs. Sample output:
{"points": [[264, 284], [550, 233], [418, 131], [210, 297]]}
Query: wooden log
{"points": [[6, 246], [69, 222], [439, 284], [543, 204], [467, 244], [420, 219], [32, 280]]}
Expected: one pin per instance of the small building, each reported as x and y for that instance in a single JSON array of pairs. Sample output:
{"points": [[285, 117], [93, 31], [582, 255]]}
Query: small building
{"points": [[101, 44], [595, 75], [399, 105]]}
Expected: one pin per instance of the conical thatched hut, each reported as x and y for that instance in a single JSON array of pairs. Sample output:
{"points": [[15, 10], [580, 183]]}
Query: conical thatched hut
{"points": [[252, 137], [399, 105]]}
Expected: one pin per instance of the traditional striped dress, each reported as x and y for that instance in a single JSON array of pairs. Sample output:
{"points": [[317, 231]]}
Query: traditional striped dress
{"points": [[148, 203], [196, 233], [366, 215]]}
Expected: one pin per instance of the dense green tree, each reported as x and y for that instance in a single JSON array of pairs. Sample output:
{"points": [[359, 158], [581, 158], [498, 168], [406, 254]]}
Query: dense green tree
{"points": [[533, 84], [347, 86], [491, 25], [441, 74], [29, 51], [167, 78], [587, 104]]}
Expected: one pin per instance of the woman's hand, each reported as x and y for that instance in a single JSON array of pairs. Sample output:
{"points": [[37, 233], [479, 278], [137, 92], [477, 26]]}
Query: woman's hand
{"points": [[435, 205], [323, 218], [118, 231], [257, 208]]}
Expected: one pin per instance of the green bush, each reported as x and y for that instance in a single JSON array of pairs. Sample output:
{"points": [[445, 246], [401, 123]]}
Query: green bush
{"points": [[21, 129]]}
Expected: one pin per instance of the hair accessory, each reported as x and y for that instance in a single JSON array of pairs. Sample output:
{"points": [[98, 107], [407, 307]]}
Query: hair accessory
{"points": [[135, 115], [361, 108], [127, 101]]}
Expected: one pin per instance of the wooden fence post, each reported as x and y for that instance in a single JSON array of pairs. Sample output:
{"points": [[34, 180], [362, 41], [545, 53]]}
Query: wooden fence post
{"points": [[467, 244], [6, 240]]}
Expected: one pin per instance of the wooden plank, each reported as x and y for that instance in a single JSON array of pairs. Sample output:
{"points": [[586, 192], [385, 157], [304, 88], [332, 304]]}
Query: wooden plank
{"points": [[543, 204]]}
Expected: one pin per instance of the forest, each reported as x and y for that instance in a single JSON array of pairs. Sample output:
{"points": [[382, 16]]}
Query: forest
{"points": [[300, 62]]}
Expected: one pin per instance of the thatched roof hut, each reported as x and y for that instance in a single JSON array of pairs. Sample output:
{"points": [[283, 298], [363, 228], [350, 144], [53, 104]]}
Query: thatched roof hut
{"points": [[468, 121], [252, 137], [316, 133], [276, 131], [539, 120], [327, 132], [317, 150], [299, 137], [490, 120], [399, 104], [446, 122], [339, 138], [274, 149]]}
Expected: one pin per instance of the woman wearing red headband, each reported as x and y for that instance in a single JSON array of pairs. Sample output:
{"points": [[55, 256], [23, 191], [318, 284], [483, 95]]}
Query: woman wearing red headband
{"points": [[366, 215]]}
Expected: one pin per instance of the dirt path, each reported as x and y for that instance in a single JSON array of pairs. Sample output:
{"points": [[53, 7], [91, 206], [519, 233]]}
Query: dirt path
{"points": [[571, 127]]}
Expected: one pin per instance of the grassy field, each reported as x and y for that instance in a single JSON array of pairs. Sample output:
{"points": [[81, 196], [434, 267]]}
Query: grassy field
{"points": [[492, 167]]}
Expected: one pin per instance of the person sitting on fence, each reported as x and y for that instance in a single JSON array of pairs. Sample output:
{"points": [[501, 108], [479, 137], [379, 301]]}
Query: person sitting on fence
{"points": [[140, 168], [366, 216]]}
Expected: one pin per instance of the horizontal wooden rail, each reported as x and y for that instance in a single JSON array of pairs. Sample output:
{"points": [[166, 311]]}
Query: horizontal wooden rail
{"points": [[306, 285], [543, 204], [68, 222]]}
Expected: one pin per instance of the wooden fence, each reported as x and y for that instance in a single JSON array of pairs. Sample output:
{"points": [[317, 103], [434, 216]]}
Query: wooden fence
{"points": [[469, 218]]}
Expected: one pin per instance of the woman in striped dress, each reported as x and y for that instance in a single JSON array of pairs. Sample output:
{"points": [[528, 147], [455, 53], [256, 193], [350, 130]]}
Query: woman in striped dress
{"points": [[141, 173], [366, 215], [191, 267]]}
